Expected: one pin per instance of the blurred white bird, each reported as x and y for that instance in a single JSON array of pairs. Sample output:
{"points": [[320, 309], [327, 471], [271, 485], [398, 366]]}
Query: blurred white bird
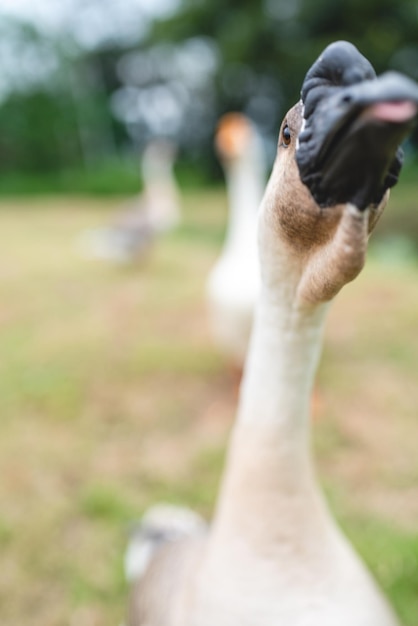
{"points": [[154, 211], [233, 283], [161, 524]]}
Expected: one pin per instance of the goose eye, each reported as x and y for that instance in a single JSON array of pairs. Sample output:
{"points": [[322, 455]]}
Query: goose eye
{"points": [[287, 137]]}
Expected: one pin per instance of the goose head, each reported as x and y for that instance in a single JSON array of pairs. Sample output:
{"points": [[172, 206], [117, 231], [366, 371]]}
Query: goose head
{"points": [[238, 143], [338, 154], [233, 136]]}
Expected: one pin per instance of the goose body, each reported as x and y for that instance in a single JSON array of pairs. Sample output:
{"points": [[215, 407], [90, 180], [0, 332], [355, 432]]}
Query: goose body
{"points": [[156, 210], [273, 555], [231, 298]]}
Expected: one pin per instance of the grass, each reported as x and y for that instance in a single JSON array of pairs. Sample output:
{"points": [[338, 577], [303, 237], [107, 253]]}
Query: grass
{"points": [[113, 397]]}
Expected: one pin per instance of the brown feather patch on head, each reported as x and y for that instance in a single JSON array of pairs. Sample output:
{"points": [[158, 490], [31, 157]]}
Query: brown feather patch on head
{"points": [[232, 135]]}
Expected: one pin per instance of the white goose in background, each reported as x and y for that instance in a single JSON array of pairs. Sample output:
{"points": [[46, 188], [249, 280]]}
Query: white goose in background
{"points": [[274, 555], [155, 211], [233, 283]]}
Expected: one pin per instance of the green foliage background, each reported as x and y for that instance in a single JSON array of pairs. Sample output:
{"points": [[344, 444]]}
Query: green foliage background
{"points": [[263, 50]]}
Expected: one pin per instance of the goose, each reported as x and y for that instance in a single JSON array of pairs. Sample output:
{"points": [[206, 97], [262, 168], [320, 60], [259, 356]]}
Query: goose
{"points": [[156, 210], [273, 554], [231, 298]]}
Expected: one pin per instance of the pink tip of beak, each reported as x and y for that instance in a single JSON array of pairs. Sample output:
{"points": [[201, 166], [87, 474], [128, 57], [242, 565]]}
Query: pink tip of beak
{"points": [[396, 112]]}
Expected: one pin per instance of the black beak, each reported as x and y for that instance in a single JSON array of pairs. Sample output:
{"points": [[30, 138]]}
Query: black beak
{"points": [[348, 149]]}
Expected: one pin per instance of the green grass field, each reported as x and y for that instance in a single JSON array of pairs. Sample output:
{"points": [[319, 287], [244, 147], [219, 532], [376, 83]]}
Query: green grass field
{"points": [[113, 397]]}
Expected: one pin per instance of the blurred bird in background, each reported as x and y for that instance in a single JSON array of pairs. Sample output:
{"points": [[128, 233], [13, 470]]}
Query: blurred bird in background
{"points": [[154, 211], [233, 283]]}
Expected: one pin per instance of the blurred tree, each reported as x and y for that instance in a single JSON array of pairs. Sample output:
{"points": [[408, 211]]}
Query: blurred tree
{"points": [[37, 132], [56, 79], [54, 103]]}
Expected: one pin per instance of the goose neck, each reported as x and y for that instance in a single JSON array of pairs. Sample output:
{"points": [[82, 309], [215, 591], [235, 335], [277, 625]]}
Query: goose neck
{"points": [[245, 189], [269, 474], [282, 361]]}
